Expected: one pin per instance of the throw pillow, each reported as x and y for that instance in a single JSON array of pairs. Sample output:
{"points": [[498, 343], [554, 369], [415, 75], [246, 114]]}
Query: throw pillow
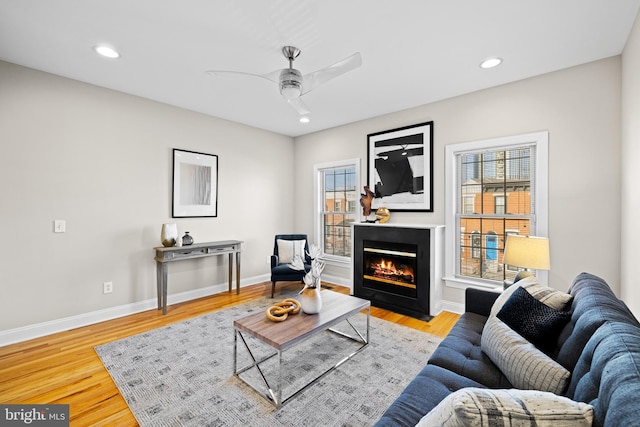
{"points": [[288, 250], [545, 294], [521, 362], [522, 408], [537, 322]]}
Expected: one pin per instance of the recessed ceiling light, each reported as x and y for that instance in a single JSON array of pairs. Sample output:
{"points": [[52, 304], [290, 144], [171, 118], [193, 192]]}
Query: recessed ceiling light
{"points": [[107, 51], [490, 62], [305, 119]]}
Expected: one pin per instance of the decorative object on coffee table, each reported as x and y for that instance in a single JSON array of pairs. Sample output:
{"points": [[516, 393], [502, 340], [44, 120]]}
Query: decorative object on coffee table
{"points": [[169, 235], [187, 239], [311, 300], [280, 312]]}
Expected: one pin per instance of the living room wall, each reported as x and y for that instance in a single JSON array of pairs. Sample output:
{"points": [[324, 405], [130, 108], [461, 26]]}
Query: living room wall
{"points": [[630, 234], [579, 106], [102, 161]]}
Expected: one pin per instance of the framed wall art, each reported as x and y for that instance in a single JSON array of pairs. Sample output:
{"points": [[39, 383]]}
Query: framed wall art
{"points": [[400, 163], [195, 184]]}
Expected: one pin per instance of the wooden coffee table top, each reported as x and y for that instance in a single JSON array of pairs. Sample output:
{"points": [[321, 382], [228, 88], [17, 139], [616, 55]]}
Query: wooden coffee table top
{"points": [[336, 307]]}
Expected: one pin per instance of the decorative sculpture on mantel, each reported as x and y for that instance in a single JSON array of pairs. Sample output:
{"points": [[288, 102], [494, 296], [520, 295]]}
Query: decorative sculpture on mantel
{"points": [[365, 200]]}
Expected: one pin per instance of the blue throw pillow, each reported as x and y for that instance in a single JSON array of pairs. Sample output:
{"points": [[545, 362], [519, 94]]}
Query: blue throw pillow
{"points": [[538, 323]]}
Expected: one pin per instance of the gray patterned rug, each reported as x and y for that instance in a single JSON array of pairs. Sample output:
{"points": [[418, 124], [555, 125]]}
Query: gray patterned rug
{"points": [[182, 374]]}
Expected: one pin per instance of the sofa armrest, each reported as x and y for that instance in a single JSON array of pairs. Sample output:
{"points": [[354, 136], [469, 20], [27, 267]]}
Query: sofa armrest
{"points": [[274, 261], [479, 301]]}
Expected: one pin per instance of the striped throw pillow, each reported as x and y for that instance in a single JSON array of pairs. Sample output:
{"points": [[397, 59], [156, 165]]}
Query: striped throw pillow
{"points": [[522, 408], [525, 366]]}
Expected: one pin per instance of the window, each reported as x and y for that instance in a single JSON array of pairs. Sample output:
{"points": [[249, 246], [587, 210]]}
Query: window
{"points": [[499, 202], [337, 208], [476, 245], [496, 187]]}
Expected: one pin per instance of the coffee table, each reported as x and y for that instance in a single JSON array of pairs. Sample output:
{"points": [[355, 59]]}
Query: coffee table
{"points": [[280, 336]]}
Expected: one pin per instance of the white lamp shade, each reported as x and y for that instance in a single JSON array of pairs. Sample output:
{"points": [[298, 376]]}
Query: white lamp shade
{"points": [[527, 252]]}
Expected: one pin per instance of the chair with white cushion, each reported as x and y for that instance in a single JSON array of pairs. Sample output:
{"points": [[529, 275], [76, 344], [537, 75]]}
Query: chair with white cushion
{"points": [[285, 249]]}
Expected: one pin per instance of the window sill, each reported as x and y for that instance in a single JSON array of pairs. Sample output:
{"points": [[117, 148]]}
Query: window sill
{"points": [[336, 261], [464, 283]]}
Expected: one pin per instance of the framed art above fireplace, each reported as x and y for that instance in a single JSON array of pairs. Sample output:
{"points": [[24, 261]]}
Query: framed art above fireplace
{"points": [[400, 163]]}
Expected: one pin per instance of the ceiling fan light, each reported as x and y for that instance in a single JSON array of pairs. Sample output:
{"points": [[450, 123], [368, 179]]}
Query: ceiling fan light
{"points": [[305, 119], [290, 90], [290, 83]]}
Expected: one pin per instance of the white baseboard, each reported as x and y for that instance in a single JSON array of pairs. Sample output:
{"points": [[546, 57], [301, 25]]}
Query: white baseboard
{"points": [[24, 333], [337, 281], [453, 307]]}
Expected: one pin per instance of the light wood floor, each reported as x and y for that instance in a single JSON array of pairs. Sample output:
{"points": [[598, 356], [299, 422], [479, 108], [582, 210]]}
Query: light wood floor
{"points": [[64, 368]]}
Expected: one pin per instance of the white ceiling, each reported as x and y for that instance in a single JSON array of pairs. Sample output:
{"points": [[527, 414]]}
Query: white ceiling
{"points": [[413, 51]]}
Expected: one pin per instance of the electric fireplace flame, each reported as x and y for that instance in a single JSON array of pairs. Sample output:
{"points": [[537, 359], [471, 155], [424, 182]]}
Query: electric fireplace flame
{"points": [[390, 267]]}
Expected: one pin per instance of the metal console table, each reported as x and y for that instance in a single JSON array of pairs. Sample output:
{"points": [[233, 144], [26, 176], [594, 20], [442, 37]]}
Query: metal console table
{"points": [[198, 250]]}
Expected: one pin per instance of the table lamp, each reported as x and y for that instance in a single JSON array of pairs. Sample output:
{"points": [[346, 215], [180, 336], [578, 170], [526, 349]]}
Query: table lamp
{"points": [[530, 253]]}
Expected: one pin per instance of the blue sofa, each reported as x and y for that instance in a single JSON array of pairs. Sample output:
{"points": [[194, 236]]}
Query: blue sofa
{"points": [[600, 347]]}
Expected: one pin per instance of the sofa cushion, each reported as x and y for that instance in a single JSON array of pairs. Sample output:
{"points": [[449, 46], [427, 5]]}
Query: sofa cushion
{"points": [[521, 362], [607, 375], [423, 393], [593, 304], [537, 322], [482, 407], [461, 352]]}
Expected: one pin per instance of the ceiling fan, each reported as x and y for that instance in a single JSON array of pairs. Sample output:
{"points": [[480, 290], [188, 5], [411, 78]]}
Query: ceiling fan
{"points": [[293, 84]]}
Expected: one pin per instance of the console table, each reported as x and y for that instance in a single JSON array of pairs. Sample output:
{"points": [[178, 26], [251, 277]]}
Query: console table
{"points": [[198, 250]]}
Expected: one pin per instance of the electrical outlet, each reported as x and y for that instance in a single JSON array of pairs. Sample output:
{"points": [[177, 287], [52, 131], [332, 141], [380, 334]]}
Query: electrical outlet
{"points": [[268, 259], [59, 226], [107, 287]]}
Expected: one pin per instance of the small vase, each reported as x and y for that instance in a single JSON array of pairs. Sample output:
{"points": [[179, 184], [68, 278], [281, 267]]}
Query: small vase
{"points": [[187, 239], [169, 235], [311, 301]]}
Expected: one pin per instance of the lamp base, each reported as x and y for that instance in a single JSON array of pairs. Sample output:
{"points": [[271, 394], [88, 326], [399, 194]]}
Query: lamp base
{"points": [[521, 275]]}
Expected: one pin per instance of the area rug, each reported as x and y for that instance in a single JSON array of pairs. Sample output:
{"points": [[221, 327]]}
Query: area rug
{"points": [[182, 374]]}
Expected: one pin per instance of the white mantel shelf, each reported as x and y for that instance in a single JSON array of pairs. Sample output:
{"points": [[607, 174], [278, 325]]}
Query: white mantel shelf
{"points": [[377, 224]]}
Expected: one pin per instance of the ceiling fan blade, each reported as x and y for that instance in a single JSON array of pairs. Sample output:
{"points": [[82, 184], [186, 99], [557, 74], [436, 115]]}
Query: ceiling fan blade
{"points": [[315, 79], [272, 76], [299, 106]]}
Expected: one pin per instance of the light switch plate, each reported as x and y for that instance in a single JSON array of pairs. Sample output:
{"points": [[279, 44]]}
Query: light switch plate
{"points": [[59, 226]]}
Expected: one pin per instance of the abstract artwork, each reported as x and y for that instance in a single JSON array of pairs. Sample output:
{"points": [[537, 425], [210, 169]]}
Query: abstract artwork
{"points": [[400, 163], [195, 184]]}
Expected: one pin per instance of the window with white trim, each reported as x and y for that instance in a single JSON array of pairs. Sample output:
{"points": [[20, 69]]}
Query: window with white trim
{"points": [[494, 188], [337, 201]]}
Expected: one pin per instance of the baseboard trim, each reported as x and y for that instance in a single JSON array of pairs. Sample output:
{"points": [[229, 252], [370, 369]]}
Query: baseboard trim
{"points": [[453, 307], [25, 333], [337, 281]]}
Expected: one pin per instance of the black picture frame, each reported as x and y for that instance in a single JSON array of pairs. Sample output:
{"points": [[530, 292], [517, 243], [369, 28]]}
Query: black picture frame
{"points": [[195, 184], [400, 168]]}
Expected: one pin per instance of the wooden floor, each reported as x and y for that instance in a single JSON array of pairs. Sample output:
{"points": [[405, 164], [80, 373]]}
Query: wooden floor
{"points": [[64, 368]]}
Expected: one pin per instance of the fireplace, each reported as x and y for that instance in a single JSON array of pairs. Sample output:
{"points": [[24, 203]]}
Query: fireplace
{"points": [[392, 268]]}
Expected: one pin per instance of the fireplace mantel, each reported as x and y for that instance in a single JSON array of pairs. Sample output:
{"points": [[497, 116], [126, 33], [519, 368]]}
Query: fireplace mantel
{"points": [[430, 301]]}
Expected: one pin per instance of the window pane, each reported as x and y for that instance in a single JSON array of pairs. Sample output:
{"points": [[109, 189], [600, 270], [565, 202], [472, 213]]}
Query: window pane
{"points": [[493, 187], [341, 201]]}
